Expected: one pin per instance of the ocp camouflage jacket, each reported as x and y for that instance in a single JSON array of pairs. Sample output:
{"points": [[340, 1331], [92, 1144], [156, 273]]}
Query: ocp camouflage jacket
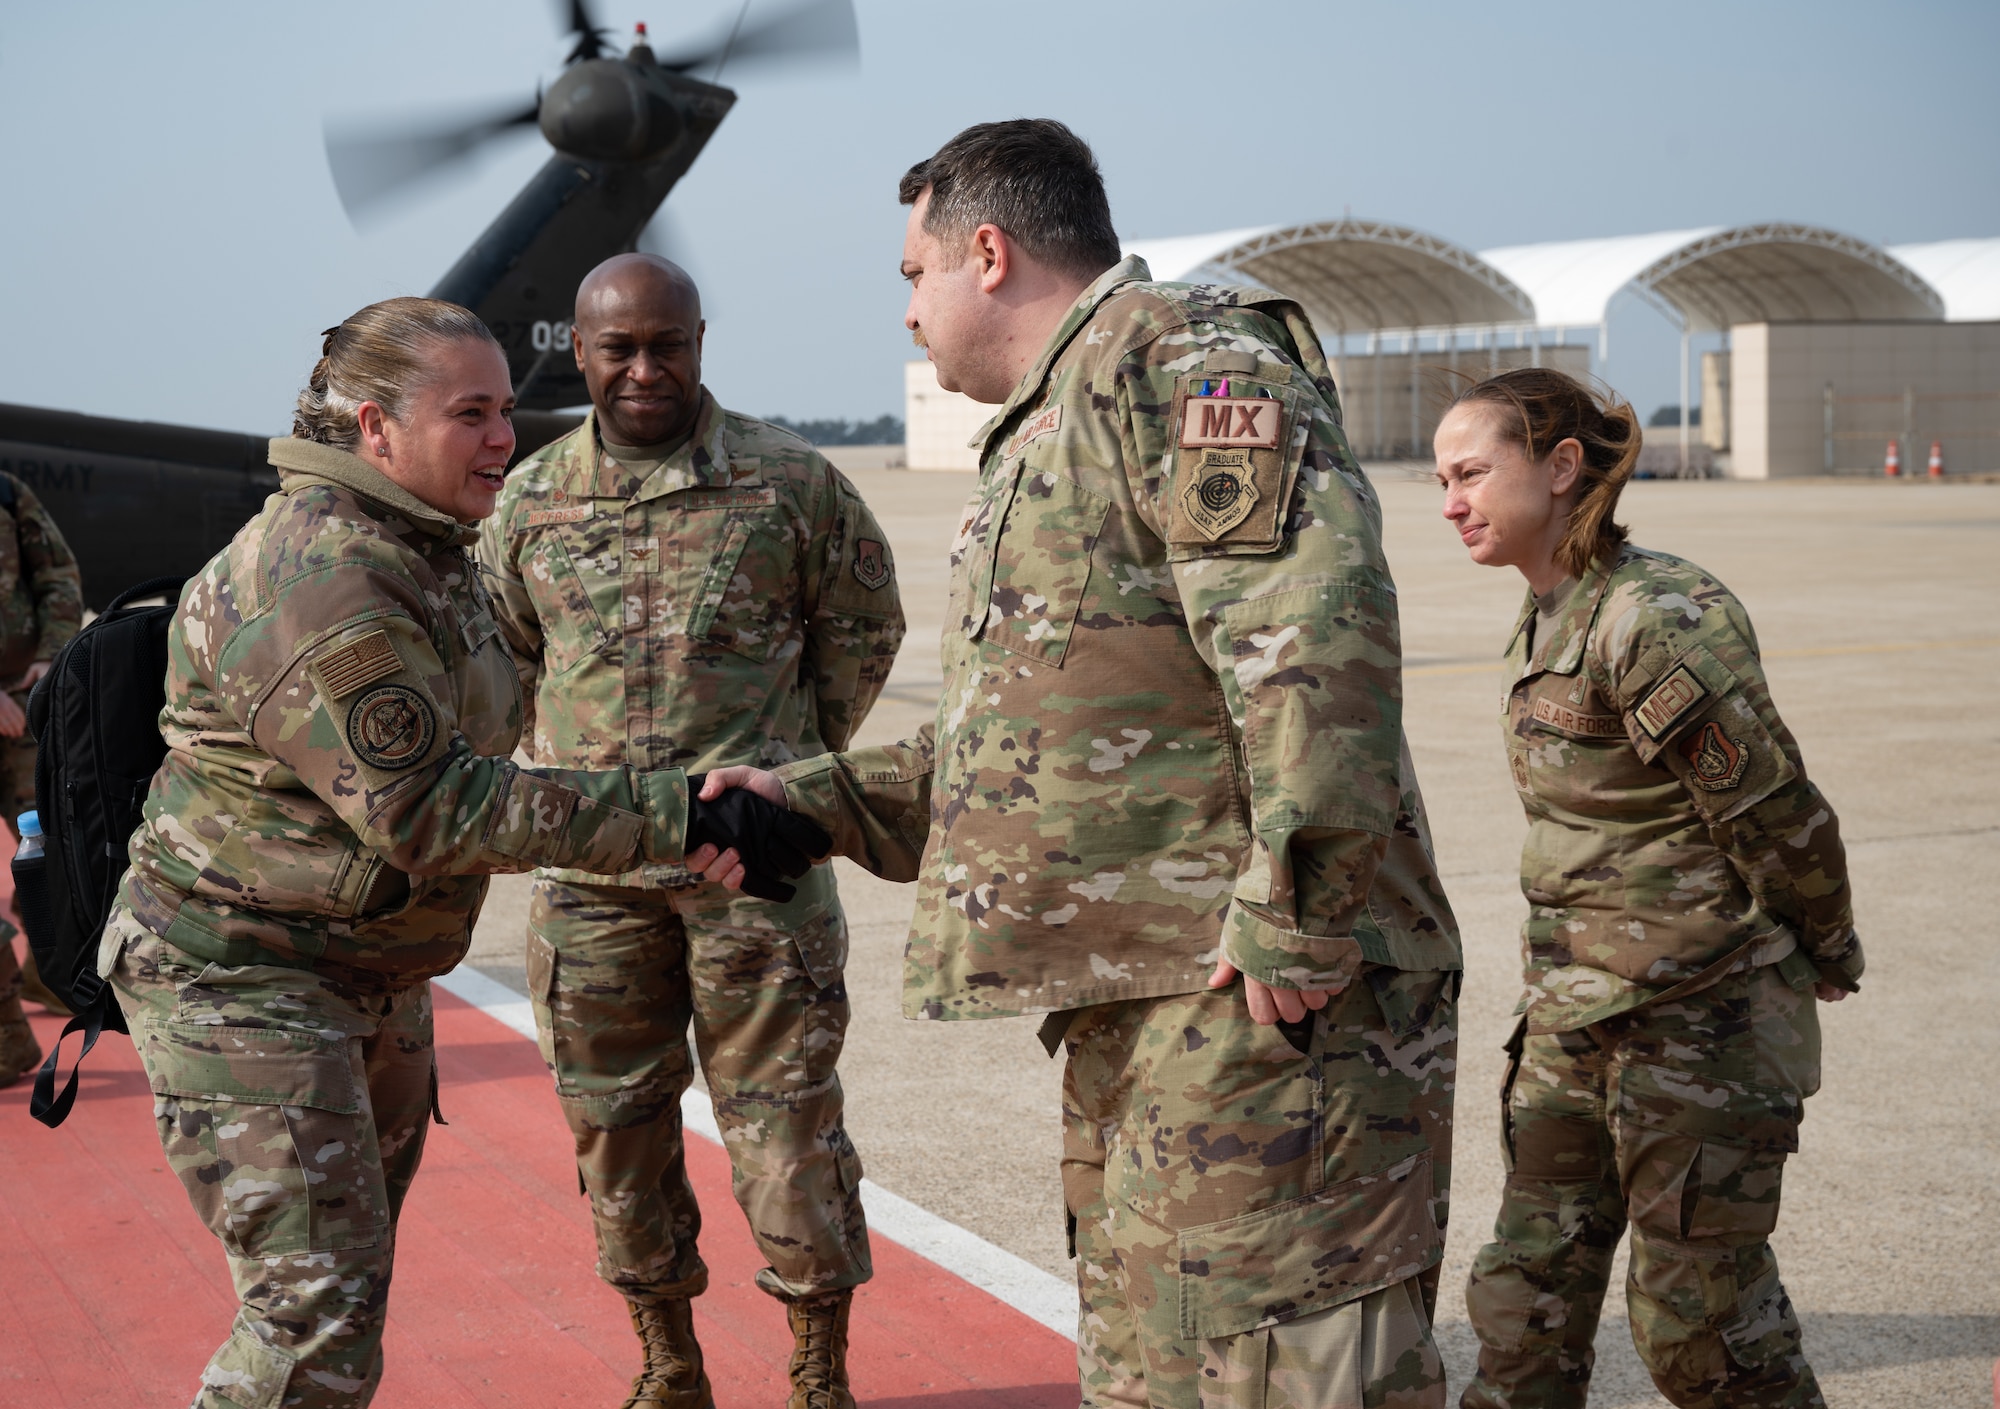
{"points": [[1670, 819], [738, 606], [41, 592], [1172, 714], [340, 710]]}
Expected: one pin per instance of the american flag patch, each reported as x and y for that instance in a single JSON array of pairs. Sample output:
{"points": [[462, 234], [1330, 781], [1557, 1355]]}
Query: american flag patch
{"points": [[362, 661]]}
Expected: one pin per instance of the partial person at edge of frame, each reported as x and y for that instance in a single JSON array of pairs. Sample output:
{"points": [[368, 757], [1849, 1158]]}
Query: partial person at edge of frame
{"points": [[340, 711], [753, 603], [41, 608], [1167, 805], [1688, 902]]}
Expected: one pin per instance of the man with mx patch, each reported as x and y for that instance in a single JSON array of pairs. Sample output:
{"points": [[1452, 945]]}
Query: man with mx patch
{"points": [[684, 584], [1166, 807]]}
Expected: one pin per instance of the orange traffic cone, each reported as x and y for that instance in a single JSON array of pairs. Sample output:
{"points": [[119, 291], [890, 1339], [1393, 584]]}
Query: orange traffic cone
{"points": [[1893, 466], [1937, 459]]}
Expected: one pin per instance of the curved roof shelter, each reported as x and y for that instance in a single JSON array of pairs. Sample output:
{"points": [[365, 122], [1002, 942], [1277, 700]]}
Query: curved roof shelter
{"points": [[1710, 279], [1351, 276], [1966, 272]]}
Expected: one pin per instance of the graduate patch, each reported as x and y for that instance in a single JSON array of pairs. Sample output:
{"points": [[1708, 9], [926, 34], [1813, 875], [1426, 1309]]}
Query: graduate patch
{"points": [[1715, 760], [1218, 491], [871, 564], [362, 661], [391, 727], [1251, 423], [1669, 701]]}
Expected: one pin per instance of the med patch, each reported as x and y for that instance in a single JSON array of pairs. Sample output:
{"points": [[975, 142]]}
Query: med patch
{"points": [[1669, 702], [391, 727]]}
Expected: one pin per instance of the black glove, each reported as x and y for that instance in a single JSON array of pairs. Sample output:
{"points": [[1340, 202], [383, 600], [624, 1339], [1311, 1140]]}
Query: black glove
{"points": [[773, 842]]}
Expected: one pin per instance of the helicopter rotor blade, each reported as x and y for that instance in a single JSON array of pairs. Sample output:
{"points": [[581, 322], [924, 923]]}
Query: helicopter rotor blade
{"points": [[590, 36], [814, 29], [369, 164]]}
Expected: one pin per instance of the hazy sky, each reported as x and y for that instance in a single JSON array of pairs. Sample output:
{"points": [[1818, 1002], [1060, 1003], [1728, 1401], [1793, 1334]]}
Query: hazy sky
{"points": [[172, 243]]}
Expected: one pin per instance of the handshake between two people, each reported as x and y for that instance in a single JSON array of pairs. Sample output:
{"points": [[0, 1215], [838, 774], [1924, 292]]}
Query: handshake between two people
{"points": [[741, 835]]}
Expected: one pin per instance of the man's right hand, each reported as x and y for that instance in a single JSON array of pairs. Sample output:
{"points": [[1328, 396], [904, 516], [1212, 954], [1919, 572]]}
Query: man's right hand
{"points": [[14, 720], [763, 844]]}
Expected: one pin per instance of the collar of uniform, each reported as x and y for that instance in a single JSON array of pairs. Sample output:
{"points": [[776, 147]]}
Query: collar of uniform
{"points": [[302, 461], [1129, 270], [1562, 652], [704, 460]]}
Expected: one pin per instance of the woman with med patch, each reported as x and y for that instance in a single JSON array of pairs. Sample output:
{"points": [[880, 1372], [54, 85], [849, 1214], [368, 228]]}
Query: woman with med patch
{"points": [[1688, 908]]}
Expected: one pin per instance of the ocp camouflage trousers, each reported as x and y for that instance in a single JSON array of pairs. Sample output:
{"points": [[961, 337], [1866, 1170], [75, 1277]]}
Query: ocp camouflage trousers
{"points": [[616, 975], [293, 1106], [1677, 1119], [1258, 1226]]}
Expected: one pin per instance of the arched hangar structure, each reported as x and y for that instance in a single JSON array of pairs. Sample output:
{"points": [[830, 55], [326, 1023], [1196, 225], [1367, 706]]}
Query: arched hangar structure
{"points": [[1362, 281]]}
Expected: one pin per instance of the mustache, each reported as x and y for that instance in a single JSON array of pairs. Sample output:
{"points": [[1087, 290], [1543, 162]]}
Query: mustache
{"points": [[917, 337]]}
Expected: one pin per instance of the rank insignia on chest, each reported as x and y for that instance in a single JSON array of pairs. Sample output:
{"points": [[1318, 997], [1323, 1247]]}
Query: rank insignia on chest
{"points": [[1715, 760], [1218, 491], [871, 564]]}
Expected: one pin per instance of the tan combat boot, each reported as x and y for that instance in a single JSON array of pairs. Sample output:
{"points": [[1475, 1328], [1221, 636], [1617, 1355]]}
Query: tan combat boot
{"points": [[19, 1052], [671, 1377], [819, 1351], [35, 991]]}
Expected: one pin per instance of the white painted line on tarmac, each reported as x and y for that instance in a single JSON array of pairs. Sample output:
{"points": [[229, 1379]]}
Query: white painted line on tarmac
{"points": [[964, 1254]]}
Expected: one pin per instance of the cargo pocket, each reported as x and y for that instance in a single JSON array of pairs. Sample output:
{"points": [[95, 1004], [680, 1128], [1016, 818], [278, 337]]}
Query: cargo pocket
{"points": [[1702, 1157], [1309, 1254], [267, 1133], [822, 943], [1041, 565], [248, 1372]]}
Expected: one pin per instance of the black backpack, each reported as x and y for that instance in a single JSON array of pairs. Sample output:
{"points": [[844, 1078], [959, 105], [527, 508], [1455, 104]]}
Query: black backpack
{"points": [[96, 721]]}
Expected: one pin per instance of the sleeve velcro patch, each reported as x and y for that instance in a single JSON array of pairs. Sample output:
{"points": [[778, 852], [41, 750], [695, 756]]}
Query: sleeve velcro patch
{"points": [[1669, 702], [392, 728], [362, 661]]}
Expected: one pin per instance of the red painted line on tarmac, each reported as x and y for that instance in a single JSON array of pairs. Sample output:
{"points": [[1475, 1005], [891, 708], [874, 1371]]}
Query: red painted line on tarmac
{"points": [[114, 1294]]}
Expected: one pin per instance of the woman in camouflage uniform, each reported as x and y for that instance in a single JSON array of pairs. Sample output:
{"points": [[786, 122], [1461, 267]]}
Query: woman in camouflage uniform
{"points": [[340, 714], [1688, 901]]}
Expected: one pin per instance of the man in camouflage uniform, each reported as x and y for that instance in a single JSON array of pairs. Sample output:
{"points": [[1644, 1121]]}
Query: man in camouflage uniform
{"points": [[41, 607], [1688, 897], [1167, 802], [686, 586]]}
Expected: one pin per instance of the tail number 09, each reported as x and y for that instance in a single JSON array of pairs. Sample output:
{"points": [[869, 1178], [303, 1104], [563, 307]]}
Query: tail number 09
{"points": [[545, 335]]}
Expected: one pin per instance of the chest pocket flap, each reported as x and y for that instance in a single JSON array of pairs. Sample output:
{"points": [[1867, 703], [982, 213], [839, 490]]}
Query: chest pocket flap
{"points": [[1041, 565]]}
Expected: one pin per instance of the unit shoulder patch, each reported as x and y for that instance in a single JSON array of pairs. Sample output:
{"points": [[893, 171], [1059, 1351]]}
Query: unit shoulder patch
{"points": [[1715, 761], [871, 564], [391, 727], [362, 661], [1668, 702], [1218, 491]]}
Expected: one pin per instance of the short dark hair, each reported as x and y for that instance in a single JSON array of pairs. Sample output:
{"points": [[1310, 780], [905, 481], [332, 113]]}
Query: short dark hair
{"points": [[1032, 177]]}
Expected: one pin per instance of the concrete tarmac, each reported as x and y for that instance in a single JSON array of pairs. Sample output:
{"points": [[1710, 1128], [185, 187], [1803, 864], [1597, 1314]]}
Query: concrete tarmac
{"points": [[1878, 608]]}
